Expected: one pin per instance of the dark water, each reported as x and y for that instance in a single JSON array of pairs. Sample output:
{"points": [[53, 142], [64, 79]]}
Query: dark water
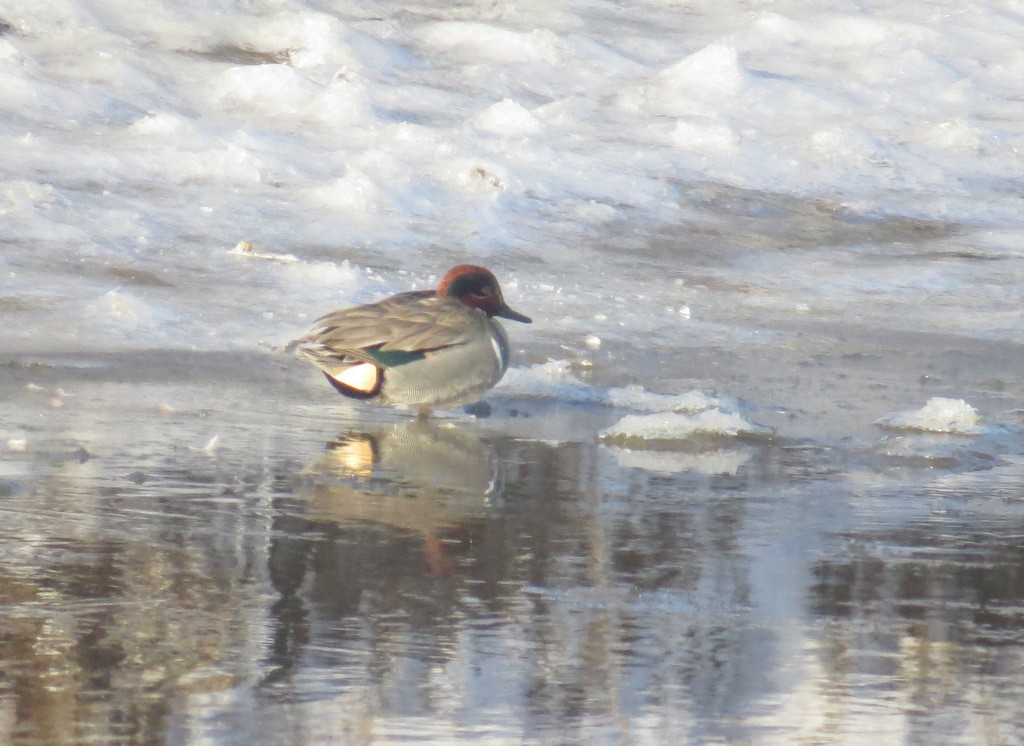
{"points": [[224, 556]]}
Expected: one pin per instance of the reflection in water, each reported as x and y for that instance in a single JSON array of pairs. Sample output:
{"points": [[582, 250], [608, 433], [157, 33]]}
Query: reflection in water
{"points": [[443, 583], [937, 607], [419, 477], [378, 511], [534, 613]]}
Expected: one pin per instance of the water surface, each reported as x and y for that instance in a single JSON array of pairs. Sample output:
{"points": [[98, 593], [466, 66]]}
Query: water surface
{"points": [[198, 561]]}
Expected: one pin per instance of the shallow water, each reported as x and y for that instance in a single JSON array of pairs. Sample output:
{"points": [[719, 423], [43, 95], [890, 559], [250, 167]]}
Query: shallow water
{"points": [[203, 562]]}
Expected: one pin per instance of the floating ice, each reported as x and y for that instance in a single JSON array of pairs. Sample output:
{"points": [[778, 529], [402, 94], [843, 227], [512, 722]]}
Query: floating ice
{"points": [[668, 417], [635, 397], [555, 380], [930, 450], [677, 426], [939, 415], [551, 380]]}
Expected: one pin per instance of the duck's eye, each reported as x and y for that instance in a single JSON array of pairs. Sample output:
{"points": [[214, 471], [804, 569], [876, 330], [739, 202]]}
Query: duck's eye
{"points": [[484, 291]]}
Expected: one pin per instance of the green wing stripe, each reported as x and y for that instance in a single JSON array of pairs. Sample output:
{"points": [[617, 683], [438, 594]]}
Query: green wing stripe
{"points": [[392, 358]]}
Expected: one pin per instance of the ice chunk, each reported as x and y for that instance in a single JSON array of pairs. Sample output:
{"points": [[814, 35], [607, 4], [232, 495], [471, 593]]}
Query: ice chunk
{"points": [[507, 118], [282, 91], [310, 38], [677, 426], [635, 397], [354, 192], [162, 124], [555, 380], [713, 69], [938, 415], [684, 88], [704, 136], [267, 88], [551, 380], [122, 310]]}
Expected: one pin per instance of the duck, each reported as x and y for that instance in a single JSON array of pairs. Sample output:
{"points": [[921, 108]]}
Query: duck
{"points": [[418, 350]]}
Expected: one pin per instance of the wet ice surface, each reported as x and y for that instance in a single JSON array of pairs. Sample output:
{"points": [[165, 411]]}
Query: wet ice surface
{"points": [[755, 475]]}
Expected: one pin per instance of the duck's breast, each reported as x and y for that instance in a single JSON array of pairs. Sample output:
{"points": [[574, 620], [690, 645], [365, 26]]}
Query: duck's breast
{"points": [[451, 375]]}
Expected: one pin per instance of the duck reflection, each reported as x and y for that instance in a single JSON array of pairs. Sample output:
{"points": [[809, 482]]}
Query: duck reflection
{"points": [[434, 482], [382, 517], [448, 472]]}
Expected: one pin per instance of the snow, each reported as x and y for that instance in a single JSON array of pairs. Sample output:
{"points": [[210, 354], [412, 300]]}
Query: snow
{"points": [[654, 187]]}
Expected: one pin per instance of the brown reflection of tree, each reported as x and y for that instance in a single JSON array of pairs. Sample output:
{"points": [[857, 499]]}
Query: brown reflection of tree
{"points": [[359, 588], [936, 611], [34, 656], [104, 629], [69, 650]]}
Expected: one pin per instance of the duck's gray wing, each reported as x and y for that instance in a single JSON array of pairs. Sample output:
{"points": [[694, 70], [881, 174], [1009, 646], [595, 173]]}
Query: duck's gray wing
{"points": [[390, 332]]}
